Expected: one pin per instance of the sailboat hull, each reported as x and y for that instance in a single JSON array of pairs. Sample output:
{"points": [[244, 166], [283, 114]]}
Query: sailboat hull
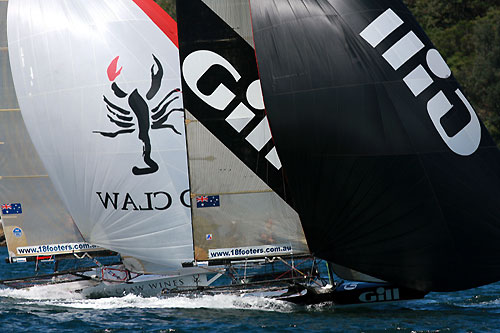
{"points": [[97, 282], [351, 293], [148, 286], [300, 293]]}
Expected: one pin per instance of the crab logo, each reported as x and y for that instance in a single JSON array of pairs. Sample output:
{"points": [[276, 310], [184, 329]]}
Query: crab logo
{"points": [[147, 118]]}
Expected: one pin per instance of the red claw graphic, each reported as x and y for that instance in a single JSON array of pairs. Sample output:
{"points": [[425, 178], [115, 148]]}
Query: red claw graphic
{"points": [[112, 72]]}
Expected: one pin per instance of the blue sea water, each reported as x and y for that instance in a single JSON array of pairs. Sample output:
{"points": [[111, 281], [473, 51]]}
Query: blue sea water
{"points": [[51, 308]]}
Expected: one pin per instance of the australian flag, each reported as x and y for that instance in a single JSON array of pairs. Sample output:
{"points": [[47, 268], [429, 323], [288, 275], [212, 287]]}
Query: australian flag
{"points": [[207, 201], [14, 208]]}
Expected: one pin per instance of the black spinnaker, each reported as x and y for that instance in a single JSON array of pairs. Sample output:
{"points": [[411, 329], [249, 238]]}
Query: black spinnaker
{"points": [[390, 169]]}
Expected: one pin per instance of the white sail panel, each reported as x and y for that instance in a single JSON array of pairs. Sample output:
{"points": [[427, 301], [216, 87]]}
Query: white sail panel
{"points": [[24, 182], [236, 13], [249, 213], [98, 85]]}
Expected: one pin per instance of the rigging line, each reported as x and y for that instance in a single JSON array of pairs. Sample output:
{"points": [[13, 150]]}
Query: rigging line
{"points": [[293, 268], [9, 110], [3, 48], [18, 177], [193, 195]]}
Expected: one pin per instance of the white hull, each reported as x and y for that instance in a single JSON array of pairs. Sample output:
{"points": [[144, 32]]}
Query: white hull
{"points": [[146, 286]]}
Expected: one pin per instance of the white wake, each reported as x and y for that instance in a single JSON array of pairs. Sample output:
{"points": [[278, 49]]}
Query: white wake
{"points": [[56, 295]]}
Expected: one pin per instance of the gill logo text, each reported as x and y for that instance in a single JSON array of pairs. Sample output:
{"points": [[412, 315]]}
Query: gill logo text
{"points": [[196, 65], [467, 140]]}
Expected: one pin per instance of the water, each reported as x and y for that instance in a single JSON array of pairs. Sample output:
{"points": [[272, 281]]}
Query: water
{"points": [[52, 308]]}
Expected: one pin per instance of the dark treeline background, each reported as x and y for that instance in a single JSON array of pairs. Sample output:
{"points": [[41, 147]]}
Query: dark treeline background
{"points": [[467, 33]]}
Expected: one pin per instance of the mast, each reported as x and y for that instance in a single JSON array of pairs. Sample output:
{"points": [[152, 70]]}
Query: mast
{"points": [[392, 172]]}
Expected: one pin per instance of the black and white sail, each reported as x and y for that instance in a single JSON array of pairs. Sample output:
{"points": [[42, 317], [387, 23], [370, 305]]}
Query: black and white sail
{"points": [[239, 193], [391, 171]]}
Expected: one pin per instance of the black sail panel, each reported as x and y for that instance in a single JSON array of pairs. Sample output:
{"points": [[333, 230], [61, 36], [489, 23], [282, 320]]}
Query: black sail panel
{"points": [[391, 171], [219, 77]]}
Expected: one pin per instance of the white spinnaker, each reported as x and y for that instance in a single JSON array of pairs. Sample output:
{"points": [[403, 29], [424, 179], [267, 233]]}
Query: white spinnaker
{"points": [[61, 54]]}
